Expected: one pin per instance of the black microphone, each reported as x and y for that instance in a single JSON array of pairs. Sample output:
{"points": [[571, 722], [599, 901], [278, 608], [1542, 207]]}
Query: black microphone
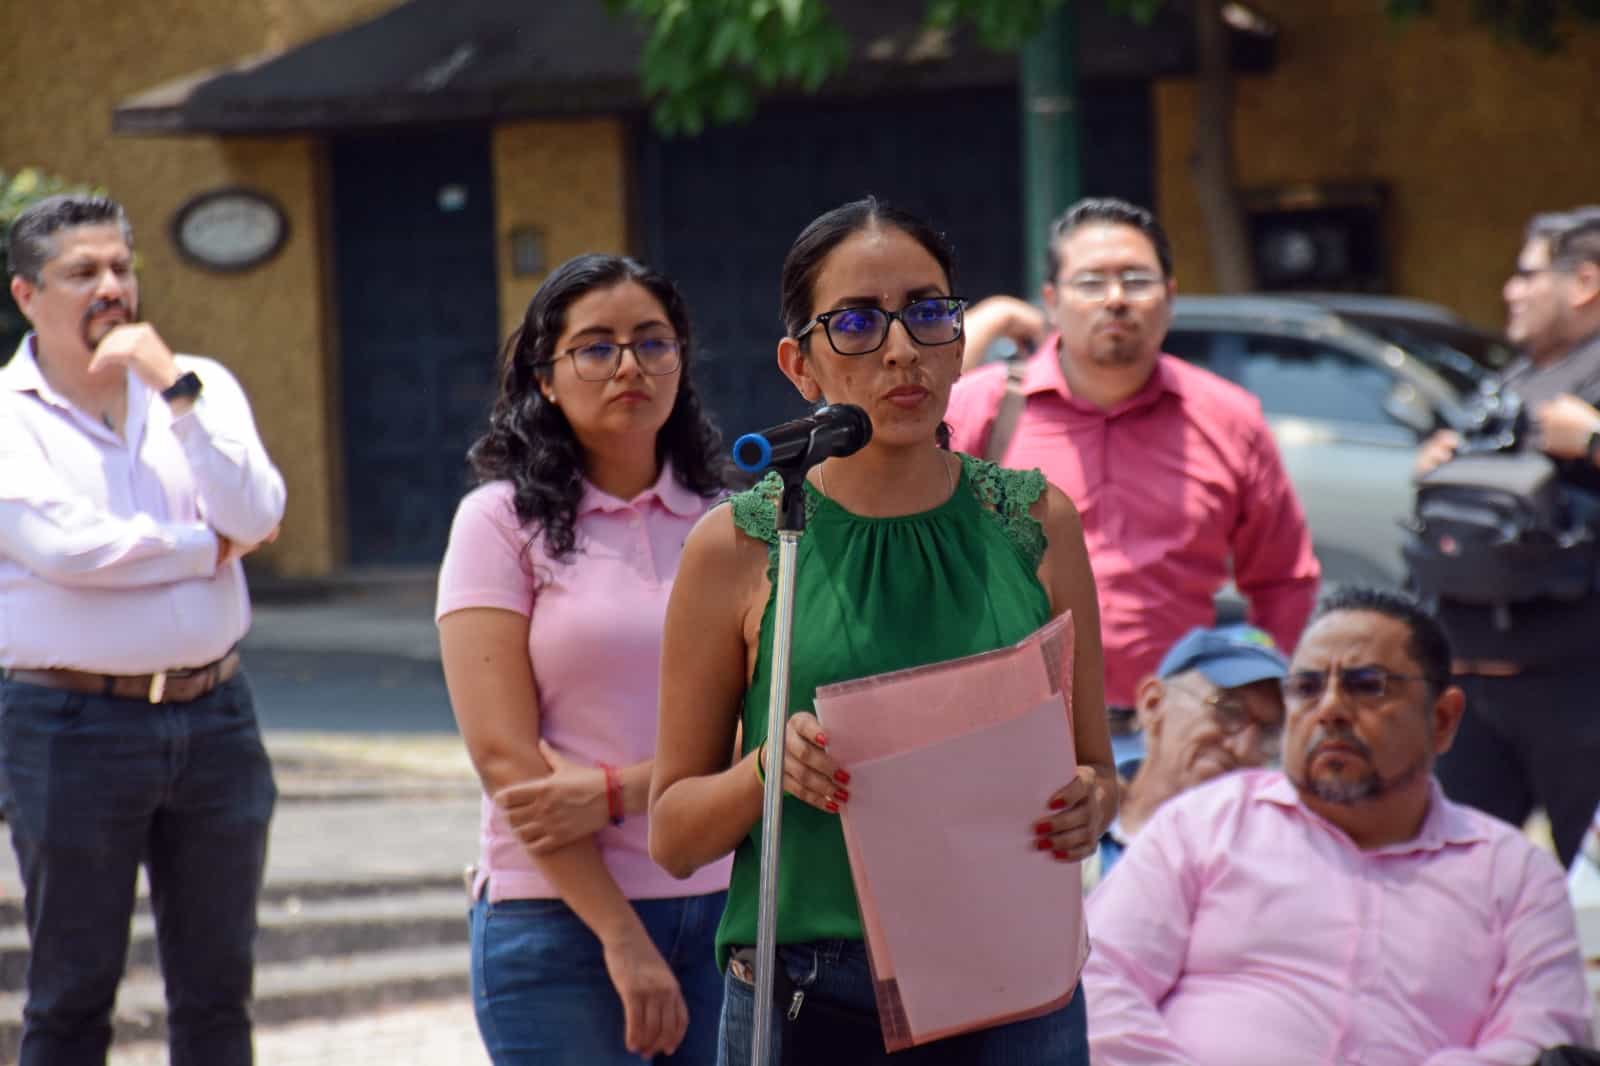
{"points": [[836, 430]]}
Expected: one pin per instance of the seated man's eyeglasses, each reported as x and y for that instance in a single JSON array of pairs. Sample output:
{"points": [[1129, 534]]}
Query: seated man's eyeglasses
{"points": [[1136, 285], [1233, 717], [862, 330], [601, 360], [1363, 684]]}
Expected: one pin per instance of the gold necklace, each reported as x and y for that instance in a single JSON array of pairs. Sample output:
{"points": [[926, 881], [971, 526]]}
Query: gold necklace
{"points": [[949, 478]]}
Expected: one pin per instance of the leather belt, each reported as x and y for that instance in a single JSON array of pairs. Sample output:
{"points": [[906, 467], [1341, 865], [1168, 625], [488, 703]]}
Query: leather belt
{"points": [[1486, 667], [166, 686]]}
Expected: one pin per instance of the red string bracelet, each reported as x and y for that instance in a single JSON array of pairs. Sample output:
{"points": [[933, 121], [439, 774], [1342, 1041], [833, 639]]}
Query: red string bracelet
{"points": [[613, 793]]}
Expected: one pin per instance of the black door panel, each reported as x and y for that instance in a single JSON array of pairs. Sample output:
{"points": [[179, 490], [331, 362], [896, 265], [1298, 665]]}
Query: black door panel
{"points": [[418, 325]]}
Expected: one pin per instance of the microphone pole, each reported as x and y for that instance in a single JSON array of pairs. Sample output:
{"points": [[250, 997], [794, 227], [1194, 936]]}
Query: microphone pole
{"points": [[791, 525]]}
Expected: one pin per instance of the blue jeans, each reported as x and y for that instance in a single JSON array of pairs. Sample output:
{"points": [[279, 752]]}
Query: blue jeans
{"points": [[837, 971], [98, 785], [542, 994]]}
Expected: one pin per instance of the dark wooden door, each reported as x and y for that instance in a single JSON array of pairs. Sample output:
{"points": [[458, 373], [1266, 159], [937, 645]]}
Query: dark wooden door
{"points": [[721, 209], [418, 332]]}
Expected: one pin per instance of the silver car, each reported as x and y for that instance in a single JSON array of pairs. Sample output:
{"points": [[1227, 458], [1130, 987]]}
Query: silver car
{"points": [[1347, 407]]}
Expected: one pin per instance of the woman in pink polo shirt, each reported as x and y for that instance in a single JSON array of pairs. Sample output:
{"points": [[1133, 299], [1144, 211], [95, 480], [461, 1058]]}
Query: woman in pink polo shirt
{"points": [[597, 462]]}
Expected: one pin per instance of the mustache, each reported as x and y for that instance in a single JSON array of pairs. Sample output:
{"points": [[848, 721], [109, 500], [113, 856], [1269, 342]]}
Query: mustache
{"points": [[1344, 736], [100, 307]]}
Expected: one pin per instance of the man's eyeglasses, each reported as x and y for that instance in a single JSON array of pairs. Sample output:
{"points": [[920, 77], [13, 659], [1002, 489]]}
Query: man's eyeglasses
{"points": [[1136, 285], [1233, 717], [601, 360], [1363, 684], [862, 330]]}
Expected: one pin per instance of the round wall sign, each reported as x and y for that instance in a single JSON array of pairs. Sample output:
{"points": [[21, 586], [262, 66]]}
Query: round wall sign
{"points": [[230, 229]]}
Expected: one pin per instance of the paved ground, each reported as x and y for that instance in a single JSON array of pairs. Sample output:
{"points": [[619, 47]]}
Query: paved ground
{"points": [[352, 701], [434, 1034]]}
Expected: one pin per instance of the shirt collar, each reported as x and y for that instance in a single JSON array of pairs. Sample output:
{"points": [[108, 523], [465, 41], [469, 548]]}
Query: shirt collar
{"points": [[22, 374], [1445, 825], [1044, 374], [667, 491]]}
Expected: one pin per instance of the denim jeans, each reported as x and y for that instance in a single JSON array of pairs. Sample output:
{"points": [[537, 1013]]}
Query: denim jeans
{"points": [[837, 971], [542, 994], [98, 785]]}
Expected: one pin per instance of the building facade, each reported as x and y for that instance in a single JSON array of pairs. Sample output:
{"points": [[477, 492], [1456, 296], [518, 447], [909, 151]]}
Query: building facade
{"points": [[420, 218]]}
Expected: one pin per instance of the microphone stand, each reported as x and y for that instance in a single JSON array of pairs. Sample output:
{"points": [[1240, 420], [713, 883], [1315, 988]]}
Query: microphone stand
{"points": [[791, 524]]}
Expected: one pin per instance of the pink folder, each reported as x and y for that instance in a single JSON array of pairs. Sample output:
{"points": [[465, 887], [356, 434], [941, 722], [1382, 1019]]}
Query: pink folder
{"points": [[967, 924]]}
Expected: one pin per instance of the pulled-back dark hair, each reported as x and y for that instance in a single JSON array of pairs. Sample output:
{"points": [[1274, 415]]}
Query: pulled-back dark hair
{"points": [[32, 241], [1428, 645], [1106, 211], [797, 288], [530, 443]]}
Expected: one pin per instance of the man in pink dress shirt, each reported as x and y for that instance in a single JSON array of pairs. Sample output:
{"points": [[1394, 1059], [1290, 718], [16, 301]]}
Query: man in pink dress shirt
{"points": [[1173, 469], [131, 482], [1342, 910]]}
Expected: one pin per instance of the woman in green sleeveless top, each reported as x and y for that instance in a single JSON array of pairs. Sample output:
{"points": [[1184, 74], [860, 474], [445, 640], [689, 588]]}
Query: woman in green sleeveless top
{"points": [[911, 555]]}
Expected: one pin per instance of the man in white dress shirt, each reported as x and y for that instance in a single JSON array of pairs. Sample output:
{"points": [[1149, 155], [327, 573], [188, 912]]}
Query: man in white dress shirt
{"points": [[132, 480]]}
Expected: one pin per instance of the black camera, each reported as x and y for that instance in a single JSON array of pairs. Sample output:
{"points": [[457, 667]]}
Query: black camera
{"points": [[1496, 421]]}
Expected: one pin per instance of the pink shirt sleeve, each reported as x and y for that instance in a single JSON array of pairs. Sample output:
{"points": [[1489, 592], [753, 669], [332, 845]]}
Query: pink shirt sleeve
{"points": [[1540, 996], [65, 538], [973, 404], [486, 563], [1140, 918], [1273, 564]]}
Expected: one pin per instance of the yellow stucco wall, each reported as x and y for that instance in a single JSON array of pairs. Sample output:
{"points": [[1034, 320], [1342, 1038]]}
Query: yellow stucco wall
{"points": [[566, 178], [1471, 134], [66, 65]]}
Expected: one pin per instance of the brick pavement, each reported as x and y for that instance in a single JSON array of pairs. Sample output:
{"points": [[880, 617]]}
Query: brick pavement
{"points": [[427, 1034]]}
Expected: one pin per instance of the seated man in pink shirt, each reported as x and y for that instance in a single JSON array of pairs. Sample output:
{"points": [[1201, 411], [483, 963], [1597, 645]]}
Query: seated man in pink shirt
{"points": [[1341, 910]]}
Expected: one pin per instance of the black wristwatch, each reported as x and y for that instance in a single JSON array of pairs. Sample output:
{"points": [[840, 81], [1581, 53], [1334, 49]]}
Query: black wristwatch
{"points": [[186, 387]]}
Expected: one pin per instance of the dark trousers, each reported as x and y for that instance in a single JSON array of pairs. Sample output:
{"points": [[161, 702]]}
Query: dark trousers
{"points": [[95, 787], [1531, 740]]}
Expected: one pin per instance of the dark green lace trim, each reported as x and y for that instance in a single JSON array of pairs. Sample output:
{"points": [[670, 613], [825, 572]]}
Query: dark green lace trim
{"points": [[1007, 495], [755, 513]]}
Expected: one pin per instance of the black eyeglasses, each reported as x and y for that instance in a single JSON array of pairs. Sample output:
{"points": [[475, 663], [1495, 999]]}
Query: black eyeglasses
{"points": [[601, 360], [1363, 684], [862, 330]]}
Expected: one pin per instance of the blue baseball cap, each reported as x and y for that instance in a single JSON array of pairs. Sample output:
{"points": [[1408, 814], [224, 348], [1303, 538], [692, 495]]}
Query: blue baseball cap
{"points": [[1228, 656]]}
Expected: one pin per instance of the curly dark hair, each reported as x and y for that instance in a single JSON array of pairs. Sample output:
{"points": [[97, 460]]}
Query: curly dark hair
{"points": [[530, 442]]}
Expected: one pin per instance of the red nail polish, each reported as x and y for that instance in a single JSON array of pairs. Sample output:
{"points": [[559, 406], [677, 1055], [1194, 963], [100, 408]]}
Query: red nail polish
{"points": [[841, 794], [1061, 856], [1040, 844], [842, 776], [1043, 827], [833, 808], [1058, 804], [822, 740]]}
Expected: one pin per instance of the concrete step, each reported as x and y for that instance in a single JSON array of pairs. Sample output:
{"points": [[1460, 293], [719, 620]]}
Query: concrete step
{"points": [[294, 927], [286, 992]]}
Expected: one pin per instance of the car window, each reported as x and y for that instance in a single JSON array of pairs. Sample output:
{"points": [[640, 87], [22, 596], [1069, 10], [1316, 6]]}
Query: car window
{"points": [[1305, 379], [1191, 347]]}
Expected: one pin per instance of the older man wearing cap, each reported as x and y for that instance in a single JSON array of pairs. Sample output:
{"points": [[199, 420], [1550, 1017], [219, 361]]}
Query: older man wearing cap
{"points": [[1215, 704]]}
